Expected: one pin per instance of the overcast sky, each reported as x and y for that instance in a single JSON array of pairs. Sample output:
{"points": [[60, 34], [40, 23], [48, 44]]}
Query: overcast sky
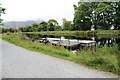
{"points": [[19, 10]]}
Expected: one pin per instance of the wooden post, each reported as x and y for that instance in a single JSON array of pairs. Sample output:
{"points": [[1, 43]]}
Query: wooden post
{"points": [[92, 48], [69, 41], [95, 47]]}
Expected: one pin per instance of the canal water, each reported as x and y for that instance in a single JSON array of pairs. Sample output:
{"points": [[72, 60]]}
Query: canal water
{"points": [[100, 40]]}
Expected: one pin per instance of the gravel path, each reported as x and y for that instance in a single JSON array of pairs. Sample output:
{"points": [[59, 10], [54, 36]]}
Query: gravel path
{"points": [[22, 63]]}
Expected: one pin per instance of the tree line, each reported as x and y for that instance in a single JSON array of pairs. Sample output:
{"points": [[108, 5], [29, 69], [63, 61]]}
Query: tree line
{"points": [[51, 25], [87, 16], [97, 16]]}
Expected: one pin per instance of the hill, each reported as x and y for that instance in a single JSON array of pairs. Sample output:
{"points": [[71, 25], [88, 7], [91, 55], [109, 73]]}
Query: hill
{"points": [[16, 24]]}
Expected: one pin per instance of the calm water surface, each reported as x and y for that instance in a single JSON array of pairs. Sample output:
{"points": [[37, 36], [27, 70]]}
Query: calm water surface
{"points": [[99, 40]]}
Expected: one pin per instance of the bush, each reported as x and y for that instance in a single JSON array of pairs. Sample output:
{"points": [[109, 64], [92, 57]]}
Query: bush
{"points": [[62, 54], [96, 61]]}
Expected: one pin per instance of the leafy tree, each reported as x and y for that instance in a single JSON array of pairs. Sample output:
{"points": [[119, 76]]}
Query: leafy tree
{"points": [[2, 11], [41, 28], [104, 14], [3, 30], [20, 29], [30, 28], [12, 30], [97, 15], [94, 15], [57, 28], [117, 16], [66, 24], [51, 28], [82, 16], [51, 24], [45, 25], [35, 27]]}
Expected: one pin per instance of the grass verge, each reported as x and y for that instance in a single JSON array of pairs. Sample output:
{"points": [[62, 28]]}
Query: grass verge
{"points": [[98, 33], [105, 58]]}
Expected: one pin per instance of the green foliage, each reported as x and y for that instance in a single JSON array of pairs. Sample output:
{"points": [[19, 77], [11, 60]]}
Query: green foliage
{"points": [[109, 32], [13, 30], [2, 11], [67, 25], [96, 61], [82, 17], [35, 27], [105, 15], [51, 25], [102, 33], [3, 30], [45, 25], [52, 22], [103, 56], [117, 16], [97, 15]]}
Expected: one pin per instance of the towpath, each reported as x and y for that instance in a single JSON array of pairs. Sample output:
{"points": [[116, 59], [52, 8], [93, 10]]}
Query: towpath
{"points": [[21, 63]]}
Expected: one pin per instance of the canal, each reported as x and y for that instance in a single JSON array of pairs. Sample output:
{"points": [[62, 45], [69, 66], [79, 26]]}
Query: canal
{"points": [[100, 40]]}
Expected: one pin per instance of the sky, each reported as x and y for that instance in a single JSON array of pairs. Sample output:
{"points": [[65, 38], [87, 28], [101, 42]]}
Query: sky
{"points": [[22, 10]]}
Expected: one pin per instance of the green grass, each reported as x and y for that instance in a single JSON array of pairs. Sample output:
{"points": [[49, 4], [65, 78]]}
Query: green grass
{"points": [[105, 58], [98, 33], [0, 36], [108, 32]]}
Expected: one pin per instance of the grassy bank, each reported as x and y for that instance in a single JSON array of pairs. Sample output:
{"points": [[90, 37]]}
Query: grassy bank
{"points": [[105, 58], [108, 32], [89, 33], [0, 36], [98, 33]]}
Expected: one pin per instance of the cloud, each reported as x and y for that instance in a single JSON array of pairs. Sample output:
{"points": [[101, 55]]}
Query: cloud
{"points": [[34, 9]]}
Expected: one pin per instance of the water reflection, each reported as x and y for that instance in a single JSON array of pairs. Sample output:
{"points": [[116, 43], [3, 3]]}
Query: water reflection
{"points": [[99, 40]]}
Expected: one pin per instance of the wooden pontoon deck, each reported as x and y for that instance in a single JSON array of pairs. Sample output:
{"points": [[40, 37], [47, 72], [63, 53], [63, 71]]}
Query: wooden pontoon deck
{"points": [[69, 42]]}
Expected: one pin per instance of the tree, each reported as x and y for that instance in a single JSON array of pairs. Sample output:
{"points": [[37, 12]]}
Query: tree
{"points": [[35, 27], [2, 11], [45, 25], [94, 15], [66, 24], [57, 28], [51, 24], [82, 16], [105, 16], [117, 16], [41, 28], [12, 30], [97, 15], [3, 30]]}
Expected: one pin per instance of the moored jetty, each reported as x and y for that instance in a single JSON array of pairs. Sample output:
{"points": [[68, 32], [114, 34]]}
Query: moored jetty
{"points": [[68, 43]]}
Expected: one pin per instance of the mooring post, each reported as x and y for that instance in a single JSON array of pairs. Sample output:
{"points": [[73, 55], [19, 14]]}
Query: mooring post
{"points": [[60, 41], [95, 47], [69, 41], [78, 41], [92, 48]]}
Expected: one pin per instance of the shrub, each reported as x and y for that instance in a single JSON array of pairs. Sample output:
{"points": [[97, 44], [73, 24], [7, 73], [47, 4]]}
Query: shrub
{"points": [[96, 61]]}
